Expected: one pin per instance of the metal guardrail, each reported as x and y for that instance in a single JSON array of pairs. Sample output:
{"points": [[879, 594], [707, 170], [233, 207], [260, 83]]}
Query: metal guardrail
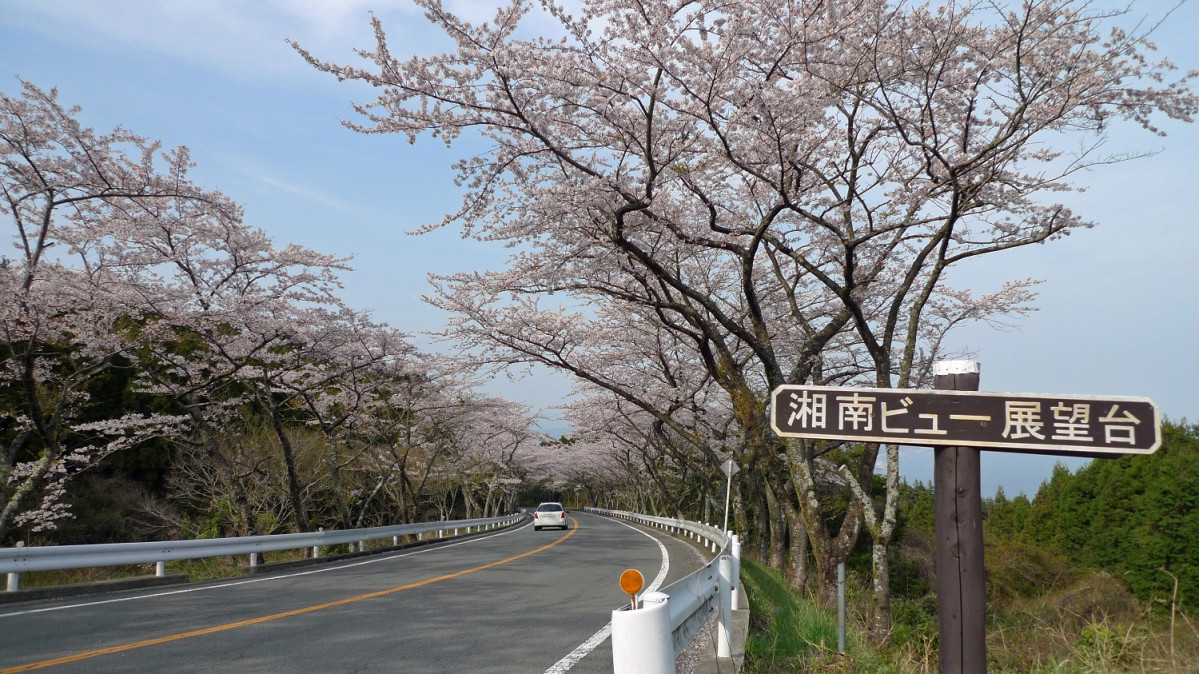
{"points": [[694, 598], [713, 535], [14, 561]]}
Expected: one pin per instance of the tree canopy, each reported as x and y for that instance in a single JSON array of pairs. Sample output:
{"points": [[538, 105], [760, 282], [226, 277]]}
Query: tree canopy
{"points": [[139, 311], [783, 187]]}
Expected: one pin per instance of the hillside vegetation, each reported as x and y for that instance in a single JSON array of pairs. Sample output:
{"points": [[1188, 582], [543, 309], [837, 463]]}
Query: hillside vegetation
{"points": [[1098, 572]]}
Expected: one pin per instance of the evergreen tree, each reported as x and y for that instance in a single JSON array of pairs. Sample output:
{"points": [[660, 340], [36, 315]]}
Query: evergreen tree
{"points": [[1134, 516]]}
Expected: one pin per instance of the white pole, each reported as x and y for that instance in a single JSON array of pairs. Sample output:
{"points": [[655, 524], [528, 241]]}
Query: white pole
{"points": [[736, 570], [728, 490], [724, 648], [160, 569], [841, 607]]}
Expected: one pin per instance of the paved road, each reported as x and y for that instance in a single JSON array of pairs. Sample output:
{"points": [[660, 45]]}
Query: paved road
{"points": [[513, 601]]}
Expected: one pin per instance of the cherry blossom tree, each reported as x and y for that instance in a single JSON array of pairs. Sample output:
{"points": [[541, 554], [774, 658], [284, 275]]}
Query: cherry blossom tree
{"points": [[227, 486], [787, 184], [66, 315], [124, 263], [415, 432], [495, 447], [289, 405], [349, 381], [409, 436], [231, 322], [642, 386]]}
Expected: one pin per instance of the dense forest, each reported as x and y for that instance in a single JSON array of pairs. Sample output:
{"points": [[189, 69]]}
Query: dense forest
{"points": [[1134, 517]]}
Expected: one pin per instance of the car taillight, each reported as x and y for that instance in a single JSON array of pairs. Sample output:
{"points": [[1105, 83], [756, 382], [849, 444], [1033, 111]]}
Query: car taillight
{"points": [[535, 515]]}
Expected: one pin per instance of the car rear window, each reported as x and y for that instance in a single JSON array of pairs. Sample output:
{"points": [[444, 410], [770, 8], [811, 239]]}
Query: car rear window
{"points": [[549, 507]]}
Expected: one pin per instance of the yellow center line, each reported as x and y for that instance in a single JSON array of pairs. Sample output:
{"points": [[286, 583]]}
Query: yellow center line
{"points": [[276, 616]]}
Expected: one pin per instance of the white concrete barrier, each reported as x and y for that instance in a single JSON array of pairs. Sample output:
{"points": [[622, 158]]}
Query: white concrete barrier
{"points": [[641, 642]]}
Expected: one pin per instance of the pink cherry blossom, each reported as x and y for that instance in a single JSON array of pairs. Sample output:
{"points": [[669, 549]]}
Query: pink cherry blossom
{"points": [[785, 188]]}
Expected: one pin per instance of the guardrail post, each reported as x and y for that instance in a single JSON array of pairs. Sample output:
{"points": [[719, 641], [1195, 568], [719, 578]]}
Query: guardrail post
{"points": [[724, 635], [253, 559], [736, 549], [160, 569], [641, 639], [14, 578]]}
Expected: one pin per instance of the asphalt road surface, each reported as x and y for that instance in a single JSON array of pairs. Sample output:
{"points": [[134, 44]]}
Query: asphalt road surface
{"points": [[510, 601]]}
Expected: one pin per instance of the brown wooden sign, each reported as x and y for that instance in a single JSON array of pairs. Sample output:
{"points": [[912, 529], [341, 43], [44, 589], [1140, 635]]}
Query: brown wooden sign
{"points": [[1012, 422]]}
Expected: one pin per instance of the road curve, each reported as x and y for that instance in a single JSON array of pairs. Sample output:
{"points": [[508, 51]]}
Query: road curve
{"points": [[511, 601]]}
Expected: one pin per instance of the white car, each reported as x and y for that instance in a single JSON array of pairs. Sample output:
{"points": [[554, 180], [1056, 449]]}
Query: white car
{"points": [[549, 515]]}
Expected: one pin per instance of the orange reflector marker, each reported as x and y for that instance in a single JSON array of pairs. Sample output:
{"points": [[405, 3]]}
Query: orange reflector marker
{"points": [[631, 581]]}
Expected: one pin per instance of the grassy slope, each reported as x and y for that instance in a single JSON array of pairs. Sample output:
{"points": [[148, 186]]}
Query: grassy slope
{"points": [[1092, 625]]}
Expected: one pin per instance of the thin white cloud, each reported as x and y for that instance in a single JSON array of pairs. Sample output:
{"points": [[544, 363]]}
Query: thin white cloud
{"points": [[303, 192], [237, 38]]}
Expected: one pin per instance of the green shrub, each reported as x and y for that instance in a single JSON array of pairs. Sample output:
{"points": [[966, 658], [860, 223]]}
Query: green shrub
{"points": [[914, 622]]}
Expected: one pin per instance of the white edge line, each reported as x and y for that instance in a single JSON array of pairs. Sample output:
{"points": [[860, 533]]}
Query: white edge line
{"points": [[584, 649]]}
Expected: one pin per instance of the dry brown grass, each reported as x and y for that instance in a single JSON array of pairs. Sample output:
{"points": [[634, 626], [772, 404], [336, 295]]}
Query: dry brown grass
{"points": [[1094, 625], [1089, 624]]}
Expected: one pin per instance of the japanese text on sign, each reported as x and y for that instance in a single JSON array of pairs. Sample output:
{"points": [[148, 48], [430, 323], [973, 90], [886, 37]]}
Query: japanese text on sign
{"points": [[1013, 421]]}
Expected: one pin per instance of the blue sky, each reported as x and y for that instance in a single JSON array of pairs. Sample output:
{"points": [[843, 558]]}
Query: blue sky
{"points": [[1118, 312]]}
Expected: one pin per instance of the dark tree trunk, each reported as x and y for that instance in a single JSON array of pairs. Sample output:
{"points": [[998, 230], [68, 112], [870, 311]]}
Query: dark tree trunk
{"points": [[293, 478]]}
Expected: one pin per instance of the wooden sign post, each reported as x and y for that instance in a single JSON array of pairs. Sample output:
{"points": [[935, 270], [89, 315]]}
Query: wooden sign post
{"points": [[961, 578], [958, 421]]}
